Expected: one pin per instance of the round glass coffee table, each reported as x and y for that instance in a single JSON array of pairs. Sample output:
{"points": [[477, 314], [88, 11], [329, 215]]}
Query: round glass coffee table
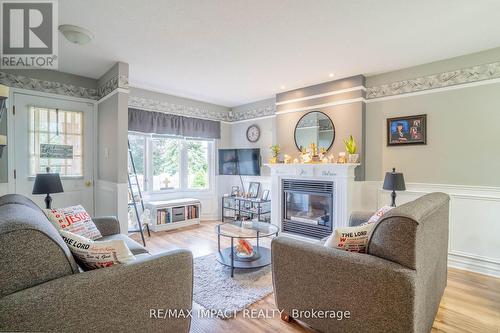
{"points": [[261, 255]]}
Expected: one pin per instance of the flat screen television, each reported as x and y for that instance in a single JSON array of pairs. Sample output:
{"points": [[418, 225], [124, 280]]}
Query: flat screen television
{"points": [[244, 162]]}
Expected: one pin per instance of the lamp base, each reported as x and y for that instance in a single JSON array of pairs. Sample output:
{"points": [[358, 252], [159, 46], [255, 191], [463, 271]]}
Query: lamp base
{"points": [[48, 201], [393, 197], [1, 150]]}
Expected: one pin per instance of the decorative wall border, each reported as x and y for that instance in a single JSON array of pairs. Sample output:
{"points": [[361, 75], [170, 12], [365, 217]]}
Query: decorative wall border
{"points": [[23, 82], [116, 82], [441, 80], [179, 109], [253, 113]]}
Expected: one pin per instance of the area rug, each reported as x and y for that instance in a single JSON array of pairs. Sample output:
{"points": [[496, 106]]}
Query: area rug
{"points": [[215, 290]]}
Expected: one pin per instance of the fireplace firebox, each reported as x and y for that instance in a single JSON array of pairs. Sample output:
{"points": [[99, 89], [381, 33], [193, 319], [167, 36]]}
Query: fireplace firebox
{"points": [[307, 207]]}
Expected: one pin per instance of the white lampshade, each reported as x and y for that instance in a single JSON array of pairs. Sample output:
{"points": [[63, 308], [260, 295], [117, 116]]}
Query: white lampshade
{"points": [[3, 140]]}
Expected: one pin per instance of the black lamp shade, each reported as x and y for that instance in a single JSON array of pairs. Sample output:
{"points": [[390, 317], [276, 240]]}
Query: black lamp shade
{"points": [[394, 181], [46, 183]]}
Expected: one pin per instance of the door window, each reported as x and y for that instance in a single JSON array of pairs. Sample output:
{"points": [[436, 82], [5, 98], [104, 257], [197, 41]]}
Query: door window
{"points": [[55, 141]]}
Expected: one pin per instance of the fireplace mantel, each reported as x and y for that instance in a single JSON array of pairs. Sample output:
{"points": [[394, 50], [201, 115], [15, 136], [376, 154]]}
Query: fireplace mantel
{"points": [[316, 170], [342, 176]]}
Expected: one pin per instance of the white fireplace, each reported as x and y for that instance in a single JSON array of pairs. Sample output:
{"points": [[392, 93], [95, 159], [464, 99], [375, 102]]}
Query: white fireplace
{"points": [[342, 177]]}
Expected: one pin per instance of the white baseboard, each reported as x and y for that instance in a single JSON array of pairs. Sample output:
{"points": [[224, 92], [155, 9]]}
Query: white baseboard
{"points": [[475, 264]]}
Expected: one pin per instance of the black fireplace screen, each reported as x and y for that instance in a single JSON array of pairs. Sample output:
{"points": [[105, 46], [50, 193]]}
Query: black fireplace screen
{"points": [[307, 207]]}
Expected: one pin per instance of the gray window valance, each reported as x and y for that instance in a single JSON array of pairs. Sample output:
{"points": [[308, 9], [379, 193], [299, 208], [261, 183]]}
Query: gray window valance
{"points": [[163, 123]]}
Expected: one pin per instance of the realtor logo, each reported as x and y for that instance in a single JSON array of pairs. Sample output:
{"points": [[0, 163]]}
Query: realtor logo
{"points": [[29, 34]]}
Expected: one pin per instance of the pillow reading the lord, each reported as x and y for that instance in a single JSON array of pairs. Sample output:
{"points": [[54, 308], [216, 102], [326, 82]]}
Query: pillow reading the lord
{"points": [[100, 254], [353, 239], [73, 219]]}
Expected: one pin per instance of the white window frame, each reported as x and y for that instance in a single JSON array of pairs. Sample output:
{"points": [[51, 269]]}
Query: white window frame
{"points": [[34, 158], [183, 165]]}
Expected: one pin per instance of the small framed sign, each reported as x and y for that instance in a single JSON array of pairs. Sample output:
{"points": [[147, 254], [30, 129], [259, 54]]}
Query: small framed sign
{"points": [[410, 130], [56, 151]]}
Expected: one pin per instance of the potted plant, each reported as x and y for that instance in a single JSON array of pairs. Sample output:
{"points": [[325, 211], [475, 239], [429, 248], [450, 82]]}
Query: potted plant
{"points": [[275, 151], [351, 148]]}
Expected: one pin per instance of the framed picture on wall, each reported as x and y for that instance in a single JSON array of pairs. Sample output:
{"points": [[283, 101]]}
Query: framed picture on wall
{"points": [[409, 130]]}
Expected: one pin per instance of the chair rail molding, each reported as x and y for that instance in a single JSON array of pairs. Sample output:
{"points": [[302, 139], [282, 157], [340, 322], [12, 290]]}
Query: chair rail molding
{"points": [[474, 211]]}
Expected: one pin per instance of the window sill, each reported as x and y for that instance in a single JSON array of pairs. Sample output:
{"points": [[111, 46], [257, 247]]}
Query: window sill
{"points": [[208, 191], [62, 177]]}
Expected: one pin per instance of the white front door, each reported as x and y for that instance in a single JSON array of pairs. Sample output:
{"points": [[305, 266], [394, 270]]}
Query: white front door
{"points": [[55, 133]]}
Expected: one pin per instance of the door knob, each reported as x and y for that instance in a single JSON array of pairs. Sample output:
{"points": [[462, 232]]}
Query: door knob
{"points": [[88, 183]]}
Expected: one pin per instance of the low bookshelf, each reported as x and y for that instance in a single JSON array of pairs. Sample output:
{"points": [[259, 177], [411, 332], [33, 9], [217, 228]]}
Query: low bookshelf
{"points": [[173, 214]]}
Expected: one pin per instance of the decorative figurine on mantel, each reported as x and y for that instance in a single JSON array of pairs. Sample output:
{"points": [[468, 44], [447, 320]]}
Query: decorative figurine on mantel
{"points": [[314, 149], [314, 157]]}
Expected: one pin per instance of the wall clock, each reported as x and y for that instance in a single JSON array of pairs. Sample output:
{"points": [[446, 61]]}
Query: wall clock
{"points": [[253, 133]]}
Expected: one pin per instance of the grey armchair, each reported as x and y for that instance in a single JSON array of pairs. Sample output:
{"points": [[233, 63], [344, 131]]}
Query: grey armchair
{"points": [[396, 287], [43, 289]]}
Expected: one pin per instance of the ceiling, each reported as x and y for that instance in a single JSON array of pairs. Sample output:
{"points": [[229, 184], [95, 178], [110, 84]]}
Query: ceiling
{"points": [[231, 52]]}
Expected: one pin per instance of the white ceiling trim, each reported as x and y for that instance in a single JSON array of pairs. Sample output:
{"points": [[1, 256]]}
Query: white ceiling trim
{"points": [[331, 93], [312, 107]]}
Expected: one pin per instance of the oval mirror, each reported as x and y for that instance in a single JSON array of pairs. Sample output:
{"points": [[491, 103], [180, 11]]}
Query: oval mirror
{"points": [[314, 127]]}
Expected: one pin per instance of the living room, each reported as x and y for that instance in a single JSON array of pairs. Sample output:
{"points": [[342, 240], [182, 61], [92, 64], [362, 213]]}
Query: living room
{"points": [[288, 166]]}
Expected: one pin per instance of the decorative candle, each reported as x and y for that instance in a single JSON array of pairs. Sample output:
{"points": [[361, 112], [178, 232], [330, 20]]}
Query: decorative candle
{"points": [[341, 158]]}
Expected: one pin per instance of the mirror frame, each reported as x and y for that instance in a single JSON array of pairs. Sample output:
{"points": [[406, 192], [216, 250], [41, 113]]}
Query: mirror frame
{"points": [[295, 130]]}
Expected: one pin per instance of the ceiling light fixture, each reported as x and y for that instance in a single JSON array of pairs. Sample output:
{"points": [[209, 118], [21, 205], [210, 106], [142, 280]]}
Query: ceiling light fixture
{"points": [[283, 87], [330, 75], [76, 35]]}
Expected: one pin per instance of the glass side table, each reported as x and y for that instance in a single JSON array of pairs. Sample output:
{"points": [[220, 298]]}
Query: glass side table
{"points": [[230, 257]]}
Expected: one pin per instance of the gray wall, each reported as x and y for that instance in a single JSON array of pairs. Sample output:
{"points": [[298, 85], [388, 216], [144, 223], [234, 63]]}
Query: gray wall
{"points": [[462, 134], [347, 118], [267, 130], [112, 141], [463, 129], [113, 131]]}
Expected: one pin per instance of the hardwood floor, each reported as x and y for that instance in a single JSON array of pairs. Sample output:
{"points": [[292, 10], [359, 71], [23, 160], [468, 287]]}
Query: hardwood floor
{"points": [[471, 302]]}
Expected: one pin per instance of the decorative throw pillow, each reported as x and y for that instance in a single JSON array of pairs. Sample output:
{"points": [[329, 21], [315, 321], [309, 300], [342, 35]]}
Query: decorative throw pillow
{"points": [[73, 219], [92, 255], [378, 214], [353, 239]]}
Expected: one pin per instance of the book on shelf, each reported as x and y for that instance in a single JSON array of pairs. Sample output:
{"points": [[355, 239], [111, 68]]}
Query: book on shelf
{"points": [[192, 212], [162, 216]]}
